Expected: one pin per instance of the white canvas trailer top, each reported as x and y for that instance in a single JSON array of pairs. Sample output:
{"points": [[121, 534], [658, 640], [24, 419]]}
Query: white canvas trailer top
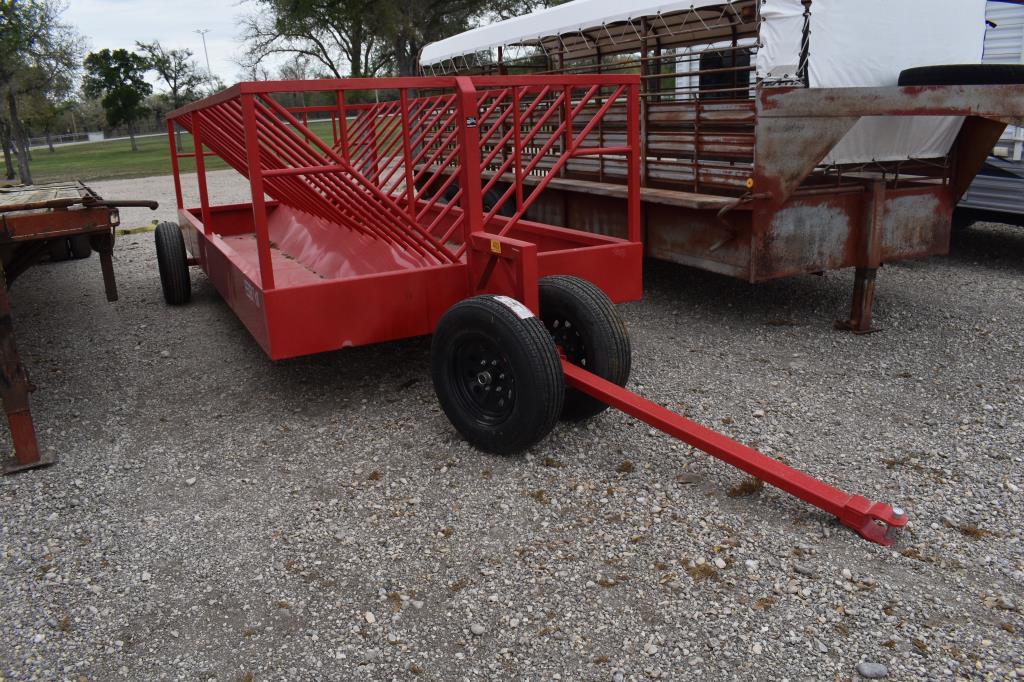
{"points": [[850, 44], [545, 26]]}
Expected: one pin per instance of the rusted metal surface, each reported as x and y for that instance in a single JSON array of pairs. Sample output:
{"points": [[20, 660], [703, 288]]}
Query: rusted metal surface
{"points": [[30, 219], [14, 389], [799, 216], [707, 142], [1000, 102], [713, 132]]}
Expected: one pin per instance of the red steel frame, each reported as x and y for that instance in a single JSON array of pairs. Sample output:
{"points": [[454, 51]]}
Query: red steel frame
{"points": [[409, 174]]}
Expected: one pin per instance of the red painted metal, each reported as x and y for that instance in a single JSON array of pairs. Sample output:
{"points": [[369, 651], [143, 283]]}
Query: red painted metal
{"points": [[393, 201], [374, 236], [874, 521]]}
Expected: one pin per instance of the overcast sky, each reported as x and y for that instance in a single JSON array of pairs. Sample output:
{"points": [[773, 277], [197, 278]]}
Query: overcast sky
{"points": [[119, 23]]}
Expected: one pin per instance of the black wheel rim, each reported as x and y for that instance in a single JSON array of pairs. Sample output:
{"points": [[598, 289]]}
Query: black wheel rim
{"points": [[568, 338], [483, 380]]}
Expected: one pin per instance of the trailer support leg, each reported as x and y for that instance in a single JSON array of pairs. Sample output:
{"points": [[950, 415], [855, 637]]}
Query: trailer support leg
{"points": [[14, 389], [863, 301], [104, 245], [874, 521], [870, 260]]}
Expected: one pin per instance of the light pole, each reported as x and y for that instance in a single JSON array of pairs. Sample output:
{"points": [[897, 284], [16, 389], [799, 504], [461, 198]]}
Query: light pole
{"points": [[202, 32]]}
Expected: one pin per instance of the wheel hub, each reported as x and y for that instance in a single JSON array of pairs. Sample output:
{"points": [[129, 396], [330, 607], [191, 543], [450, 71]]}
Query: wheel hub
{"points": [[483, 376], [568, 338]]}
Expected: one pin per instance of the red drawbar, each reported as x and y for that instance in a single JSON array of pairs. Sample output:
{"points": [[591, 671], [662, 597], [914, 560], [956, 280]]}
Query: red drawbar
{"points": [[874, 521]]}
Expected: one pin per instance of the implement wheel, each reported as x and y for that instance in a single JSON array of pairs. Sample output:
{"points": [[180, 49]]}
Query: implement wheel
{"points": [[58, 250], [497, 374], [586, 325], [80, 247], [173, 264], [963, 74]]}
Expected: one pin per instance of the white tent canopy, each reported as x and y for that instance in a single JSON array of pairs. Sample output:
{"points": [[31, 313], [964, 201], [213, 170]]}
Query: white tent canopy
{"points": [[852, 43], [572, 17]]}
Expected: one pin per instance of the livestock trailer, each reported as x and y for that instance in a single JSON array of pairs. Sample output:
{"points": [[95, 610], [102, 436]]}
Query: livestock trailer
{"points": [[376, 228], [778, 137]]}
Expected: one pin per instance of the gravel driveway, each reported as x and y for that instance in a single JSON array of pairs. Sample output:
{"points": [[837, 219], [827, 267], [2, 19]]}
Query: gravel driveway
{"points": [[215, 515]]}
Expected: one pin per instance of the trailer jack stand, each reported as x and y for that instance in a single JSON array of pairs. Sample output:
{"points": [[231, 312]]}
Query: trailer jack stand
{"points": [[874, 521], [14, 389], [862, 304]]}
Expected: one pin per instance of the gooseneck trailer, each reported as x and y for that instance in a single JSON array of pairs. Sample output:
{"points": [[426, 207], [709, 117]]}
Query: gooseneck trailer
{"points": [[777, 137], [384, 228]]}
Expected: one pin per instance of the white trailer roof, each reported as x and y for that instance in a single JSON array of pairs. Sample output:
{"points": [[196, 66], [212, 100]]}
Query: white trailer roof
{"points": [[572, 17]]}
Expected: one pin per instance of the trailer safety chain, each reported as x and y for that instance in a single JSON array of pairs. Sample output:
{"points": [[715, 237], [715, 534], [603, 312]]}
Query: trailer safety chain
{"points": [[877, 522]]}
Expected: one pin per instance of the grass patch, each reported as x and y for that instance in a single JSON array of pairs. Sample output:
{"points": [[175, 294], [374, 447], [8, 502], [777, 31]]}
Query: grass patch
{"points": [[114, 159]]}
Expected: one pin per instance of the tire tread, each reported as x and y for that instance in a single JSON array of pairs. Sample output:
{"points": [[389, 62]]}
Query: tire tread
{"points": [[537, 345], [963, 74], [172, 262], [610, 333]]}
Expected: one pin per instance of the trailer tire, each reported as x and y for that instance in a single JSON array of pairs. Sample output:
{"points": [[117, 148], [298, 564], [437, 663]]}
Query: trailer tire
{"points": [[489, 200], [58, 250], [587, 326], [963, 219], [481, 342], [964, 74], [80, 247], [173, 264]]}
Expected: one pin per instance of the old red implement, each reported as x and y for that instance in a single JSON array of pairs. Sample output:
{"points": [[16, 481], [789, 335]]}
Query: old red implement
{"points": [[386, 227], [56, 220]]}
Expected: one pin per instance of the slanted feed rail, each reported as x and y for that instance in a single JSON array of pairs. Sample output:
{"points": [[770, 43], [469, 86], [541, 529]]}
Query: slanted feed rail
{"points": [[390, 228]]}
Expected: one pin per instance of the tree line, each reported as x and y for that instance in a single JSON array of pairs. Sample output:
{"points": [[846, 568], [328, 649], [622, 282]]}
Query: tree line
{"points": [[48, 83]]}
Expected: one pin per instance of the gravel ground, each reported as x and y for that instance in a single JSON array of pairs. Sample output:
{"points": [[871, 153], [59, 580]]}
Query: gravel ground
{"points": [[218, 516]]}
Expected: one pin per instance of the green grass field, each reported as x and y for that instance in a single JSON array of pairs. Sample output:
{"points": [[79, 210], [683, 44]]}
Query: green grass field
{"points": [[115, 159]]}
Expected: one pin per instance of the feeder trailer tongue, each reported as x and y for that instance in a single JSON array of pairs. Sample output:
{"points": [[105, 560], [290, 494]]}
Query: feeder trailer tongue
{"points": [[387, 228]]}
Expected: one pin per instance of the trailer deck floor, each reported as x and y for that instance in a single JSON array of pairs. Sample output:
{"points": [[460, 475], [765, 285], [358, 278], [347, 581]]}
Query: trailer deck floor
{"points": [[287, 271]]}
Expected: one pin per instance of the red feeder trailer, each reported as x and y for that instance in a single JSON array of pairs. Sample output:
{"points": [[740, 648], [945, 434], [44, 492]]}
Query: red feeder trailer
{"points": [[388, 231]]}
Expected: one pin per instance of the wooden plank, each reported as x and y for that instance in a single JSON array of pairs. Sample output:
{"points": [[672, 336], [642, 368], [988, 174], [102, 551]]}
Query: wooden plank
{"points": [[30, 197]]}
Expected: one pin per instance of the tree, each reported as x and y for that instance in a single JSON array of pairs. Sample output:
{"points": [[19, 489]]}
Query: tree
{"points": [[6, 143], [118, 77], [44, 114], [410, 25], [371, 37], [339, 35], [178, 72], [39, 56], [176, 69]]}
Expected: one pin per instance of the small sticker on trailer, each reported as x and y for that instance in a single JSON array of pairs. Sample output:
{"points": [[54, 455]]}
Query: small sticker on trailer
{"points": [[518, 308], [253, 294]]}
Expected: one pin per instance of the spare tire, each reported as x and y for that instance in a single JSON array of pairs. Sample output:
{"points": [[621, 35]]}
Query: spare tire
{"points": [[964, 74]]}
